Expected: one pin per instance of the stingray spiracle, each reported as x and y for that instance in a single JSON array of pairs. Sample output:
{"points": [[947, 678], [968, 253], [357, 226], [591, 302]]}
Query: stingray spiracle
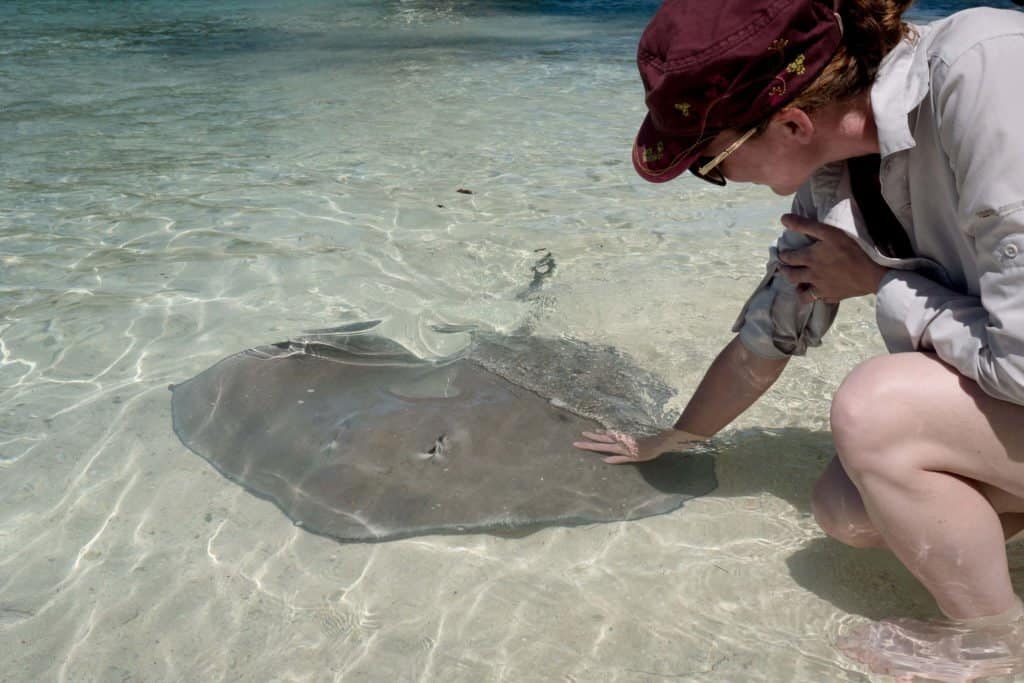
{"points": [[438, 451]]}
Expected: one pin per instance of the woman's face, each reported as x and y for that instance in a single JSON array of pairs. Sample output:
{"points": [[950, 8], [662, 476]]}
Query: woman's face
{"points": [[783, 157]]}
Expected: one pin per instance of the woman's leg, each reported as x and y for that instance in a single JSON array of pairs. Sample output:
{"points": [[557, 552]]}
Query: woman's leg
{"points": [[927, 451], [840, 512]]}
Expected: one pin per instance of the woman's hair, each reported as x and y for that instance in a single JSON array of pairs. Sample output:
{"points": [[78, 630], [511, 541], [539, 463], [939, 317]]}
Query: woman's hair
{"points": [[871, 28]]}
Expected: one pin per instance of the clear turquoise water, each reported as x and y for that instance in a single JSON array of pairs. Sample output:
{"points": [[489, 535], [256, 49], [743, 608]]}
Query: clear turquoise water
{"points": [[183, 180]]}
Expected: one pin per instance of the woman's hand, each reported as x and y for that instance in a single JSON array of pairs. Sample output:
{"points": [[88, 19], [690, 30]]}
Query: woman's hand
{"points": [[831, 269], [624, 448]]}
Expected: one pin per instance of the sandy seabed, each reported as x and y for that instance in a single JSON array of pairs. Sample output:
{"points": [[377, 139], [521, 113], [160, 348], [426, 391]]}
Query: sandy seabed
{"points": [[126, 557], [179, 188]]}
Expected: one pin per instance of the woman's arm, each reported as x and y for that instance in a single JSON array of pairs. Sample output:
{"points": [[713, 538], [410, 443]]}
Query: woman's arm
{"points": [[735, 380]]}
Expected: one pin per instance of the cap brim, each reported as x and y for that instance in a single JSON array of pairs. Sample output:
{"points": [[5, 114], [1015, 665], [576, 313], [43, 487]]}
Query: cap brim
{"points": [[659, 158]]}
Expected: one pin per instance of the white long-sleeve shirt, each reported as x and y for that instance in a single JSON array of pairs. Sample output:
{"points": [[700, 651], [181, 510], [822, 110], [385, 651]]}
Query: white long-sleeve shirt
{"points": [[949, 108]]}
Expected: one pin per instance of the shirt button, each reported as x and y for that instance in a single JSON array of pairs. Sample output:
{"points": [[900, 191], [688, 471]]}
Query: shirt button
{"points": [[1010, 251]]}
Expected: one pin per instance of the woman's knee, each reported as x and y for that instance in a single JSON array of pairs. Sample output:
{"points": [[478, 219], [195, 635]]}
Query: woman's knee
{"points": [[869, 416]]}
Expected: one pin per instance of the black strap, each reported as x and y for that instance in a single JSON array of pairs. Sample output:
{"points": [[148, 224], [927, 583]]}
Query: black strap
{"points": [[885, 229]]}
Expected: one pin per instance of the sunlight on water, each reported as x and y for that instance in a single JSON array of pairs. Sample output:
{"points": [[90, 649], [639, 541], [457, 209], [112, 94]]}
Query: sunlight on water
{"points": [[181, 181]]}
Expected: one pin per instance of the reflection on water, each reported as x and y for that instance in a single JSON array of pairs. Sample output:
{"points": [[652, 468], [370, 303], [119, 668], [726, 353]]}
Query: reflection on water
{"points": [[183, 180]]}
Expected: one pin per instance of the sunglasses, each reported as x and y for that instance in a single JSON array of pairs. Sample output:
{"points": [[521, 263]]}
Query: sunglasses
{"points": [[706, 168]]}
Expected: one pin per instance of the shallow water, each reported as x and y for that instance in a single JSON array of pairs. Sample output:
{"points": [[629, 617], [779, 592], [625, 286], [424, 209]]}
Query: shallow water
{"points": [[184, 180]]}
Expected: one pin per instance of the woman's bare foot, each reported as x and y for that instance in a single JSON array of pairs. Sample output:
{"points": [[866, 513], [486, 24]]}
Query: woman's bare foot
{"points": [[939, 651]]}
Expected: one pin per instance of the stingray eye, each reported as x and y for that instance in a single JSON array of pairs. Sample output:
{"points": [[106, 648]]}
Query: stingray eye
{"points": [[440, 447]]}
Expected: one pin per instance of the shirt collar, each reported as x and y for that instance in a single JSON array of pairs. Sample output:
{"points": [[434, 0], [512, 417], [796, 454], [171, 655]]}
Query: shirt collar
{"points": [[901, 83]]}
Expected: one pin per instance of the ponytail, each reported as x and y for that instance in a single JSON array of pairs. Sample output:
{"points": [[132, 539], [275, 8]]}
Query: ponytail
{"points": [[871, 29]]}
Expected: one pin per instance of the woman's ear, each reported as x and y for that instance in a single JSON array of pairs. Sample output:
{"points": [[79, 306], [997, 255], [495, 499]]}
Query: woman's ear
{"points": [[795, 123]]}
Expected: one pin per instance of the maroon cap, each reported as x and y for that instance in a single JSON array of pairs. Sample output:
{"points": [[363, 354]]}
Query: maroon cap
{"points": [[711, 65]]}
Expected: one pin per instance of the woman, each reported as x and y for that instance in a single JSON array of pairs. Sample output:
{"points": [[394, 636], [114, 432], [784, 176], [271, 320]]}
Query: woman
{"points": [[905, 152]]}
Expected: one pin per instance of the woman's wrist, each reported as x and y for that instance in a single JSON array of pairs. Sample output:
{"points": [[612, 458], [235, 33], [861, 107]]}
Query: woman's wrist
{"points": [[680, 438]]}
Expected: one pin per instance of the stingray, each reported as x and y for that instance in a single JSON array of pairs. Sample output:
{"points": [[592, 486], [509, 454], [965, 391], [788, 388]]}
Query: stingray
{"points": [[354, 437]]}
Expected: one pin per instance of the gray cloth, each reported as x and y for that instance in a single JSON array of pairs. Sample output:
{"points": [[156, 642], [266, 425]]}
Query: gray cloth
{"points": [[773, 322], [947, 105]]}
